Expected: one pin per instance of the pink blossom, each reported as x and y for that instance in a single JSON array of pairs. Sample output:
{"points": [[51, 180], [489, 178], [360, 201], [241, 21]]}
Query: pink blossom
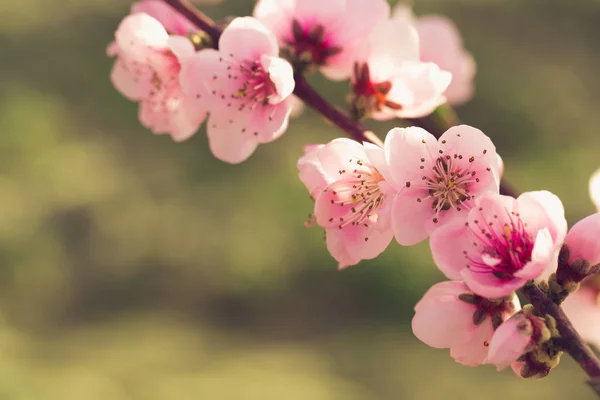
{"points": [[440, 42], [595, 189], [248, 87], [583, 309], [583, 240], [173, 22], [325, 33], [346, 180], [444, 320], [513, 338], [147, 71], [390, 81], [504, 242], [437, 180]]}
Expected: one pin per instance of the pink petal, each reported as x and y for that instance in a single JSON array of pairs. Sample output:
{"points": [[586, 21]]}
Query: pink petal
{"points": [[419, 87], [475, 352], [376, 156], [326, 13], [133, 84], [448, 244], [582, 240], [281, 74], [466, 140], [337, 154], [409, 218], [510, 341], [198, 74], [594, 189], [248, 39], [359, 19], [139, 35], [404, 148], [182, 47], [441, 43], [277, 15], [583, 311], [229, 139], [271, 121], [543, 209], [544, 256], [311, 172], [174, 22], [359, 247], [338, 249], [487, 285], [442, 320]]}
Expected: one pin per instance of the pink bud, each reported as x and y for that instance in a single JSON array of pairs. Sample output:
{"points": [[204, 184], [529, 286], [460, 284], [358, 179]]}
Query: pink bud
{"points": [[583, 310], [510, 341], [582, 240]]}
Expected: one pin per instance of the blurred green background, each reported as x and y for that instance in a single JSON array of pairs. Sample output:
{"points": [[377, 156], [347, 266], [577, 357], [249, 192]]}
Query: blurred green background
{"points": [[137, 268]]}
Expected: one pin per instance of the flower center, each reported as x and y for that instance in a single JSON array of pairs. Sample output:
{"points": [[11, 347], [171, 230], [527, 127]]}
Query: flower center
{"points": [[506, 246], [448, 186], [358, 193], [368, 96], [309, 46], [257, 87]]}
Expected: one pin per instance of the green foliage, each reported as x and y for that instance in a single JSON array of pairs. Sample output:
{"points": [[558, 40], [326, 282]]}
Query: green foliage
{"points": [[137, 268]]}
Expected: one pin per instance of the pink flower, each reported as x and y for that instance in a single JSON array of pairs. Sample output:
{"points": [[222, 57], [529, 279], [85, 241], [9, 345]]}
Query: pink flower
{"points": [[325, 33], [595, 189], [248, 87], [513, 338], [582, 240], [440, 42], [450, 316], [437, 180], [389, 81], [147, 71], [346, 180], [504, 242], [583, 309], [173, 22]]}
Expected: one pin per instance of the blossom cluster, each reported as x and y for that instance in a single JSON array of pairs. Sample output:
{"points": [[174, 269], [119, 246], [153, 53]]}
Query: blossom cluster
{"points": [[245, 85], [413, 187]]}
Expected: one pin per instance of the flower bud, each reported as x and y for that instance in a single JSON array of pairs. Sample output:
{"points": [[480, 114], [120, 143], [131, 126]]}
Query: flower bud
{"points": [[513, 338]]}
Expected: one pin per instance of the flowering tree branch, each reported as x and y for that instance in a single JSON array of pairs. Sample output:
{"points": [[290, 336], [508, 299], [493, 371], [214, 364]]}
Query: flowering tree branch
{"points": [[568, 339]]}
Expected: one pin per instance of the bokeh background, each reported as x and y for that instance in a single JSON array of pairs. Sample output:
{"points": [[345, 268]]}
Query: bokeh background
{"points": [[136, 268]]}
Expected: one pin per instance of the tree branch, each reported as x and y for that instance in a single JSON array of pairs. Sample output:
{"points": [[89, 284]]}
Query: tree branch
{"points": [[569, 340]]}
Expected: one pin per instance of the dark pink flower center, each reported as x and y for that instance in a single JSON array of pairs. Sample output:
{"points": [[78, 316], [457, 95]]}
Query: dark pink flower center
{"points": [[256, 85], [369, 96], [449, 182], [357, 192], [505, 245], [309, 45]]}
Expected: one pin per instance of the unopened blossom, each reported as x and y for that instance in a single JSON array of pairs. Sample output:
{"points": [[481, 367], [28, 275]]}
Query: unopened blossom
{"points": [[440, 42], [513, 338], [322, 33], [583, 241], [502, 243], [389, 81], [346, 180], [451, 316], [173, 22], [146, 70], [438, 181], [583, 309], [595, 189], [248, 89]]}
